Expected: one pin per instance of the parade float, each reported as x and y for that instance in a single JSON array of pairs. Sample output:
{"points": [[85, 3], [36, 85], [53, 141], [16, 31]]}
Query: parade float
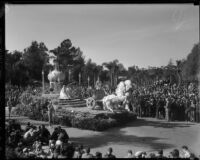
{"points": [[98, 111]]}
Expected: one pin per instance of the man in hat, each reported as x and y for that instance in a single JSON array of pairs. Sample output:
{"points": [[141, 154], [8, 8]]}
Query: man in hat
{"points": [[109, 153], [9, 104], [50, 112]]}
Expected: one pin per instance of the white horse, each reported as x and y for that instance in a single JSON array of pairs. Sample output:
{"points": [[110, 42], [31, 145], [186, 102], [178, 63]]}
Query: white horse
{"points": [[116, 101]]}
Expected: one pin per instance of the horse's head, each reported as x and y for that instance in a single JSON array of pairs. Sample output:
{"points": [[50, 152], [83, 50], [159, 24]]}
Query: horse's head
{"points": [[121, 88]]}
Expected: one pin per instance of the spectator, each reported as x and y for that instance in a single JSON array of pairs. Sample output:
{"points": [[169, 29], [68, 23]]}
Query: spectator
{"points": [[109, 153], [138, 154], [160, 154], [62, 154], [44, 135], [57, 151], [87, 153], [77, 153], [25, 153], [50, 112], [9, 104], [186, 152], [28, 134], [51, 147], [59, 142], [98, 155], [28, 126], [175, 153], [152, 155], [130, 154], [63, 136], [19, 149], [55, 134]]}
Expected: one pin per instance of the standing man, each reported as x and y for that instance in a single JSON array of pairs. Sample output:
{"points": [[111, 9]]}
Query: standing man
{"points": [[50, 112], [9, 104]]}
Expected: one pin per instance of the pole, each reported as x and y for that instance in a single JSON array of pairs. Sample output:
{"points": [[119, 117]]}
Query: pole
{"points": [[43, 81], [88, 82], [79, 75], [94, 80], [69, 75]]}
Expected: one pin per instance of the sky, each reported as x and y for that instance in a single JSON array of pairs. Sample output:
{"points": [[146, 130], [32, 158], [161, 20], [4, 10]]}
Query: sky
{"points": [[135, 34]]}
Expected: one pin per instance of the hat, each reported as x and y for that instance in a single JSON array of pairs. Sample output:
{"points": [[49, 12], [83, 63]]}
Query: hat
{"points": [[138, 153], [160, 151], [175, 153], [25, 150]]}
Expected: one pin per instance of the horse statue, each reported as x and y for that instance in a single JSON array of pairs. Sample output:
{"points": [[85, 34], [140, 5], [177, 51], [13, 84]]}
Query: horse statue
{"points": [[121, 99]]}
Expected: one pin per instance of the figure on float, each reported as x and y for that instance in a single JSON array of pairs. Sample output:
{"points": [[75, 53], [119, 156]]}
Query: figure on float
{"points": [[121, 99], [65, 93]]}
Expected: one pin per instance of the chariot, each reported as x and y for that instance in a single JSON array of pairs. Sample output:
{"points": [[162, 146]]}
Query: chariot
{"points": [[96, 99]]}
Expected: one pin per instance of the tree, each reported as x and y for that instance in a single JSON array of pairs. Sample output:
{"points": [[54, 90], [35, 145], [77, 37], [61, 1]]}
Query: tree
{"points": [[66, 55], [191, 66], [35, 57], [115, 68], [16, 71], [89, 71]]}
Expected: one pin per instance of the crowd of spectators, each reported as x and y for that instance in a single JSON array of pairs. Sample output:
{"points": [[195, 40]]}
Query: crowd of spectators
{"points": [[165, 101], [38, 142]]}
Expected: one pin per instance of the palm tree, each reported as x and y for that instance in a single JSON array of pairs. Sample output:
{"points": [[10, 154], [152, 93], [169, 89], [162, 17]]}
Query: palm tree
{"points": [[114, 68]]}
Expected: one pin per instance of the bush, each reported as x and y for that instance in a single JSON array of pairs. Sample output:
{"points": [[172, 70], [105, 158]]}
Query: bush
{"points": [[35, 109], [10, 153], [12, 92]]}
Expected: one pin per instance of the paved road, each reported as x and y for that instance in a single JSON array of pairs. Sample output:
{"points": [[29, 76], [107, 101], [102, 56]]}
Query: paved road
{"points": [[144, 134]]}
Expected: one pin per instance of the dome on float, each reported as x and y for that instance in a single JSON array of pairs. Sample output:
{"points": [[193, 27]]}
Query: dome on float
{"points": [[56, 75]]}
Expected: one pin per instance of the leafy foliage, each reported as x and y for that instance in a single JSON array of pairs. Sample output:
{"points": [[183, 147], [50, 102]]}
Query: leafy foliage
{"points": [[22, 68], [35, 57], [69, 55], [191, 66]]}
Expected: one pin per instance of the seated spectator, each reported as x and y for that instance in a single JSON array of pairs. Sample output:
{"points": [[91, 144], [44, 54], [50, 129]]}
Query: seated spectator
{"points": [[87, 153], [109, 153], [19, 149], [174, 153], [38, 148], [15, 125], [10, 153], [62, 155], [81, 149], [59, 142], [186, 152], [160, 154], [51, 147], [25, 153], [56, 152], [44, 135], [28, 134], [63, 136], [77, 152], [42, 154], [35, 144], [152, 155], [55, 134], [138, 154], [28, 126], [130, 154], [68, 149], [144, 154], [98, 155]]}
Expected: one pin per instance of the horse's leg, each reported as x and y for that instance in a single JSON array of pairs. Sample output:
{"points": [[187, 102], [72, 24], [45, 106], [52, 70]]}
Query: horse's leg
{"points": [[109, 107]]}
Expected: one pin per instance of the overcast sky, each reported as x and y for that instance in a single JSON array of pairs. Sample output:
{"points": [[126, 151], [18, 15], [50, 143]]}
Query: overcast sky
{"points": [[143, 35]]}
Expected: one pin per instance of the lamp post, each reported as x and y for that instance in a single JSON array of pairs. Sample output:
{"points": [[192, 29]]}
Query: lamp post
{"points": [[43, 81], [88, 81], [70, 71], [79, 76], [69, 75]]}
